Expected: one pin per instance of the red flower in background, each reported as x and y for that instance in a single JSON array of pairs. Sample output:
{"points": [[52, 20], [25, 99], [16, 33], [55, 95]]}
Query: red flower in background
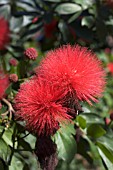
{"points": [[4, 33], [75, 70], [31, 53], [110, 67], [4, 83], [13, 78], [50, 28], [13, 62], [35, 20], [40, 105], [109, 3]]}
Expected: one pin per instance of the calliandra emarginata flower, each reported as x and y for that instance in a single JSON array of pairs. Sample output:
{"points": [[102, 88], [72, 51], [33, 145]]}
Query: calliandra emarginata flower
{"points": [[4, 83], [110, 67], [4, 33], [109, 3], [13, 62], [31, 53], [13, 78], [40, 105], [76, 70]]}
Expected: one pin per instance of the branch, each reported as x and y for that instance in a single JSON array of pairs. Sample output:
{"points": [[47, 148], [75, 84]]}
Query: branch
{"points": [[10, 109]]}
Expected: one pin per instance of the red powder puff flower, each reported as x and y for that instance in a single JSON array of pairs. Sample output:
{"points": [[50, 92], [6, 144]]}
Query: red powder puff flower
{"points": [[35, 20], [4, 83], [39, 104], [76, 70], [109, 3], [107, 50], [4, 33], [50, 28], [13, 78], [31, 53], [110, 67], [13, 62]]}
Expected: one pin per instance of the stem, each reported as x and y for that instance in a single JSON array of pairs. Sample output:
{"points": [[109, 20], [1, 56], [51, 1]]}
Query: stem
{"points": [[10, 109], [22, 137]]}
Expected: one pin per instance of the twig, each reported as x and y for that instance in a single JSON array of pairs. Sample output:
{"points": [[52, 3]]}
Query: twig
{"points": [[10, 109]]}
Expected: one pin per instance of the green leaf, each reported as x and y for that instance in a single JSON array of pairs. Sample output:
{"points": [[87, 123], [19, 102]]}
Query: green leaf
{"points": [[67, 8], [1, 129], [23, 159], [4, 1], [7, 136], [5, 11], [106, 141], [95, 131], [108, 163], [81, 121], [75, 16], [93, 149], [107, 152], [88, 21], [93, 118], [29, 2], [55, 1], [66, 144], [16, 163], [3, 166], [31, 140], [84, 3], [25, 145], [16, 24], [4, 150]]}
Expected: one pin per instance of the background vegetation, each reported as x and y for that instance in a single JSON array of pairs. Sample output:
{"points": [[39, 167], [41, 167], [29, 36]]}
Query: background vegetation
{"points": [[45, 25]]}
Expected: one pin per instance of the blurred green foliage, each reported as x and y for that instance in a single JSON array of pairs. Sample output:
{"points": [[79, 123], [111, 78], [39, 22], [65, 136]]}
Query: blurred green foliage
{"points": [[44, 25]]}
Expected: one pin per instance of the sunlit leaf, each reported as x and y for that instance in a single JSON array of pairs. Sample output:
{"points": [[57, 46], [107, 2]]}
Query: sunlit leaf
{"points": [[67, 8], [66, 144], [95, 131]]}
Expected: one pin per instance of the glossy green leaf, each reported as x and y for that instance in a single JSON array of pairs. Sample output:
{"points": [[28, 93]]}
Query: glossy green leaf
{"points": [[3, 166], [4, 1], [5, 150], [95, 131], [16, 163], [16, 23], [27, 2], [1, 129], [107, 162], [53, 0], [107, 152], [93, 149], [67, 8], [85, 4], [88, 21], [81, 121], [7, 136], [28, 5], [75, 16], [5, 11], [66, 144], [93, 118], [106, 141]]}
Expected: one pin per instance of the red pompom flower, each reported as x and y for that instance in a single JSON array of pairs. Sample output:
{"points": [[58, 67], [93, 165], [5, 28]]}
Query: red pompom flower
{"points": [[109, 3], [4, 33], [50, 28], [4, 83], [13, 78], [110, 67], [76, 70], [40, 105], [13, 62], [31, 53]]}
